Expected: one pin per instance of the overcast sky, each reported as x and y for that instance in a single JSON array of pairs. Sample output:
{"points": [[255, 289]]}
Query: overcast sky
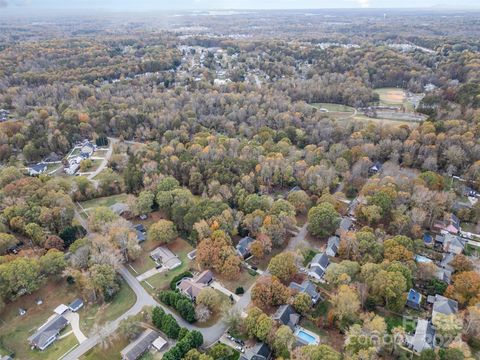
{"points": [[234, 4]]}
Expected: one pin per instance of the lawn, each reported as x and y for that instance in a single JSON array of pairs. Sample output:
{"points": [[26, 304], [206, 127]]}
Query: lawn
{"points": [[104, 201], [100, 314], [162, 281], [398, 321], [110, 350], [335, 108], [310, 325], [244, 279], [100, 152], [15, 329], [217, 314]]}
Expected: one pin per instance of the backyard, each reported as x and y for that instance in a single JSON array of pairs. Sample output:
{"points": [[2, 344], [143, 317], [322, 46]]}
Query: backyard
{"points": [[104, 201]]}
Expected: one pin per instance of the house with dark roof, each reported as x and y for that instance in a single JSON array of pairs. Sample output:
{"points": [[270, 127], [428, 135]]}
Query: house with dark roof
{"points": [[119, 208], [332, 246], [318, 266], [375, 168], [48, 333], [243, 246], [140, 345], [76, 305], [260, 351], [444, 305], [344, 226], [308, 288], [286, 315], [414, 299], [37, 169], [424, 337], [191, 287]]}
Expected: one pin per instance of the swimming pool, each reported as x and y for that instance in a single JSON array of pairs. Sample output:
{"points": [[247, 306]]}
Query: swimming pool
{"points": [[306, 337]]}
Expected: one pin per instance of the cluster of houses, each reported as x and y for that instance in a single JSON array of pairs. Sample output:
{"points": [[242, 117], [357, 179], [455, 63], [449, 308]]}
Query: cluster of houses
{"points": [[87, 148], [49, 332]]}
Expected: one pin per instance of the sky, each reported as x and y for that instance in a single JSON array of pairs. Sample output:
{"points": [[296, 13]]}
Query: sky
{"points": [[233, 4]]}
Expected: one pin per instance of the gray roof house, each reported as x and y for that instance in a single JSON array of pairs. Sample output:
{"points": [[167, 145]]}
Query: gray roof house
{"points": [[260, 351], [119, 208], [76, 305], [287, 315], [318, 266], [414, 299], [423, 338], [47, 333], [139, 346], [332, 246], [243, 246], [345, 225], [37, 169], [308, 288], [453, 244], [444, 305]]}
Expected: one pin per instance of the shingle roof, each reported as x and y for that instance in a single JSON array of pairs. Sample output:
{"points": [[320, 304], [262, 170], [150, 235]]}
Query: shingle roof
{"points": [[414, 296], [138, 347], [45, 332], [321, 260], [424, 336], [243, 246], [287, 315], [444, 305], [306, 287], [75, 303]]}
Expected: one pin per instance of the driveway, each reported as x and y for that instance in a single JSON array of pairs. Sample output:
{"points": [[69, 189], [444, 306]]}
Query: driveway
{"points": [[149, 273], [74, 320], [217, 286], [104, 163], [299, 240]]}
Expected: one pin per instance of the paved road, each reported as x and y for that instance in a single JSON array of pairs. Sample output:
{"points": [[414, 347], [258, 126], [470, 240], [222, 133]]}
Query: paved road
{"points": [[104, 163]]}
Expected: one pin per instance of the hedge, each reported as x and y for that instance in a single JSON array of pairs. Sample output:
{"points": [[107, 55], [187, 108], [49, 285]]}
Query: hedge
{"points": [[173, 283], [179, 302], [166, 323], [193, 339]]}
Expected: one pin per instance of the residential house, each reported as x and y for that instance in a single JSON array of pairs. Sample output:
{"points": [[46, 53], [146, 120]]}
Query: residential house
{"points": [[61, 309], [76, 305], [191, 287], [332, 246], [48, 333], [453, 244], [6, 357], [260, 351], [375, 168], [444, 275], [164, 257], [451, 225], [414, 299], [140, 345], [318, 266], [120, 208], [192, 254], [4, 114], [345, 225], [287, 315], [243, 246], [443, 305], [307, 287], [87, 149], [37, 169], [424, 337], [141, 232]]}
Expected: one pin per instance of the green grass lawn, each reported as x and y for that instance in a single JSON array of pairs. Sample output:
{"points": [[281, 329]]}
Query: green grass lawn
{"points": [[141, 265], [162, 281], [109, 350], [394, 97], [100, 314], [331, 107], [244, 279], [217, 314], [104, 201], [309, 325], [100, 152], [397, 321], [15, 329]]}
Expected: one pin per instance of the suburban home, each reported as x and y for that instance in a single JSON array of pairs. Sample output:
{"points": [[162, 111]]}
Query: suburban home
{"points": [[4, 114], [140, 345], [260, 351], [345, 225], [451, 225], [446, 260], [444, 275], [318, 266], [87, 150], [453, 244], [414, 299], [443, 305], [37, 169], [375, 168], [48, 333], [287, 315], [164, 257], [76, 305], [307, 287], [332, 246], [243, 246], [120, 208], [61, 309], [192, 287], [424, 337]]}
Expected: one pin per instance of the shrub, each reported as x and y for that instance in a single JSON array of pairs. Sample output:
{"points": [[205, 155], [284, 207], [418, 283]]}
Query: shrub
{"points": [[239, 290], [166, 323], [180, 303], [191, 340]]}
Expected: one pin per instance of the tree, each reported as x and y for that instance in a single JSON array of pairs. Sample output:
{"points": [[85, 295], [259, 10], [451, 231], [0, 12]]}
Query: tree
{"points": [[167, 184], [54, 242], [220, 351], [208, 297], [202, 313], [323, 220], [346, 303], [264, 325], [269, 291], [104, 281], [315, 352], [465, 288], [283, 266], [302, 303], [130, 327], [461, 263], [163, 232], [343, 272], [36, 233], [19, 276], [7, 241], [98, 217], [300, 200], [451, 354], [53, 263], [144, 202], [448, 326], [251, 320], [283, 341], [427, 354], [165, 322]]}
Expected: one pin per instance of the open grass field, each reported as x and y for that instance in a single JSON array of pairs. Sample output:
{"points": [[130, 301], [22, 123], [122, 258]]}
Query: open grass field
{"points": [[15, 329], [104, 201], [334, 108], [162, 281], [360, 117], [109, 350], [395, 97], [101, 314]]}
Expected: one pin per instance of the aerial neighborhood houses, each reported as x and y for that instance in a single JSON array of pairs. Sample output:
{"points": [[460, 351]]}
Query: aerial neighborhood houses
{"points": [[85, 150], [144, 342], [191, 287]]}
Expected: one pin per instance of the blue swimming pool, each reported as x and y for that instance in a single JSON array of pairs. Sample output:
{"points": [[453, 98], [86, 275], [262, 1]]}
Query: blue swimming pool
{"points": [[307, 338]]}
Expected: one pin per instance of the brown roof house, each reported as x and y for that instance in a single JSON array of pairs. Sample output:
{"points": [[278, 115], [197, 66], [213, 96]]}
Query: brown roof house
{"points": [[192, 287]]}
